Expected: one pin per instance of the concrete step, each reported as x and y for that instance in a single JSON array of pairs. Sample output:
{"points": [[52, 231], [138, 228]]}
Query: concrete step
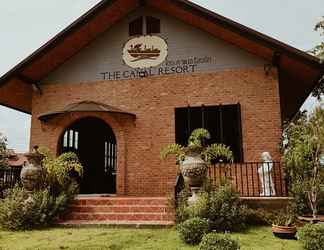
{"points": [[88, 210], [121, 208], [121, 216], [113, 223], [111, 201]]}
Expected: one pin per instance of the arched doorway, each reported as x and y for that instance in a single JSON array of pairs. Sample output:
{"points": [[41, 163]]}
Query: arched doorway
{"points": [[95, 144]]}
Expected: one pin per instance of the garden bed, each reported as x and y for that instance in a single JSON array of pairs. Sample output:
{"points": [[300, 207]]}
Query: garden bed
{"points": [[108, 238]]}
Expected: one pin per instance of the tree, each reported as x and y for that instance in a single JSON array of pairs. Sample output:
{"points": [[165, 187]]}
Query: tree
{"points": [[319, 52], [304, 155], [3, 152]]}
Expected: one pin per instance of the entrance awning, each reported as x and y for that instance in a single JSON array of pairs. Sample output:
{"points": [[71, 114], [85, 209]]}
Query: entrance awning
{"points": [[84, 106]]}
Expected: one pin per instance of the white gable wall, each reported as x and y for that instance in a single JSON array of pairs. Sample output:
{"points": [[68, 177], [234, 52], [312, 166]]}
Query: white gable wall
{"points": [[103, 58]]}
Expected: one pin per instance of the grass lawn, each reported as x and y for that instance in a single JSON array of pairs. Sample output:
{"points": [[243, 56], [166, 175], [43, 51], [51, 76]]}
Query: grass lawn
{"points": [[115, 239]]}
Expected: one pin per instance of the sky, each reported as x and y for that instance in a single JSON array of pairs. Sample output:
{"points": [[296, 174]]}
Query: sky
{"points": [[27, 25]]}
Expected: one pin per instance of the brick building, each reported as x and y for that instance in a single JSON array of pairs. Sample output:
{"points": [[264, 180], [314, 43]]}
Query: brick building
{"points": [[131, 76]]}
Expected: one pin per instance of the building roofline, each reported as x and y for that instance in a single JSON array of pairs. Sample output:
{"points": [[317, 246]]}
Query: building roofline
{"points": [[240, 29], [250, 33], [56, 39]]}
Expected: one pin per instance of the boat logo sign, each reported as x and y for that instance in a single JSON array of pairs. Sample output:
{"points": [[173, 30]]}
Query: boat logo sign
{"points": [[145, 52]]}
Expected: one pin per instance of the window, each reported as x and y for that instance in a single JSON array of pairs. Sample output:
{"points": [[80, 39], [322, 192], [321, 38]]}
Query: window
{"points": [[70, 141], [152, 25], [136, 27], [110, 157], [223, 122]]}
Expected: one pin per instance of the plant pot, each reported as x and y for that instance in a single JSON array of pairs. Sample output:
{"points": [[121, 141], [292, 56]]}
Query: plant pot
{"points": [[284, 232], [193, 169], [309, 219], [32, 174]]}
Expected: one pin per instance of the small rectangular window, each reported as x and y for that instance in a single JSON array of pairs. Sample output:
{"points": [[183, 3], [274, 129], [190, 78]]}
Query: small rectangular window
{"points": [[136, 27], [153, 25], [71, 138], [65, 140], [76, 140]]}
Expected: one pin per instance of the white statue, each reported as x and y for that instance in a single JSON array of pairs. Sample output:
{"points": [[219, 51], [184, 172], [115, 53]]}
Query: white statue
{"points": [[264, 172]]}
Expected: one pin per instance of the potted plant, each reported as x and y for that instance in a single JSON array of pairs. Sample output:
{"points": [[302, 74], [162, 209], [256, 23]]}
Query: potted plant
{"points": [[284, 226], [194, 158], [32, 174]]}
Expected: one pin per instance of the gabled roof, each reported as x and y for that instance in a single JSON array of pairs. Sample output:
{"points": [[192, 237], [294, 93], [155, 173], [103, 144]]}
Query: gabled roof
{"points": [[299, 72]]}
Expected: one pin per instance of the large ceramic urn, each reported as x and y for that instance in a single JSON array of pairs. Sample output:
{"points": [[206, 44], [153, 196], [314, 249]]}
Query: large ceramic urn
{"points": [[193, 169], [32, 174]]}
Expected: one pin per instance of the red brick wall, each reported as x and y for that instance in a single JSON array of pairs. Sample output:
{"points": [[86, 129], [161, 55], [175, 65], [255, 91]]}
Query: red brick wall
{"points": [[140, 170]]}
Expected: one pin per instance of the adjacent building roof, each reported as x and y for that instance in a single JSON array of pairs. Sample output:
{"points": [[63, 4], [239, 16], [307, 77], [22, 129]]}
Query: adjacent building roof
{"points": [[299, 72], [16, 159]]}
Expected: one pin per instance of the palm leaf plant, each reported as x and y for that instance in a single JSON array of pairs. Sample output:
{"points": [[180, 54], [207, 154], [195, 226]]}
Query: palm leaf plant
{"points": [[195, 157]]}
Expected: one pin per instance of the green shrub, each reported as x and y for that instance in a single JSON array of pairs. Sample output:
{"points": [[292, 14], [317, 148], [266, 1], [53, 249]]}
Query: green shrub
{"points": [[225, 211], [200, 208], [182, 204], [207, 185], [300, 201], [18, 211], [285, 217], [312, 236], [191, 231], [221, 207], [184, 212], [213, 241], [259, 216], [60, 171], [321, 201]]}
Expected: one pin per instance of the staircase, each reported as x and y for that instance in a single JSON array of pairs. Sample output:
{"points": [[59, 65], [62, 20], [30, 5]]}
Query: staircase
{"points": [[120, 211]]}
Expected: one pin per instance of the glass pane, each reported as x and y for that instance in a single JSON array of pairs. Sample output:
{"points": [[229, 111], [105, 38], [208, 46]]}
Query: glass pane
{"points": [[65, 142], [152, 25], [76, 139], [136, 27], [71, 138]]}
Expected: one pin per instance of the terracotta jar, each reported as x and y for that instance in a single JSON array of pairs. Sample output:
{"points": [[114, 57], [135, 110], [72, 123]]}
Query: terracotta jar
{"points": [[32, 174], [193, 169]]}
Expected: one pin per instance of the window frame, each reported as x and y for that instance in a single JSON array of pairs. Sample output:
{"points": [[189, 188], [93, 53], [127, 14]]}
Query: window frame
{"points": [[212, 117], [136, 27]]}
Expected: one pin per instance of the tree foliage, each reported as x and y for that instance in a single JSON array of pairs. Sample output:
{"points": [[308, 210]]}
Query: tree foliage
{"points": [[319, 49], [303, 155], [3, 152], [319, 52]]}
